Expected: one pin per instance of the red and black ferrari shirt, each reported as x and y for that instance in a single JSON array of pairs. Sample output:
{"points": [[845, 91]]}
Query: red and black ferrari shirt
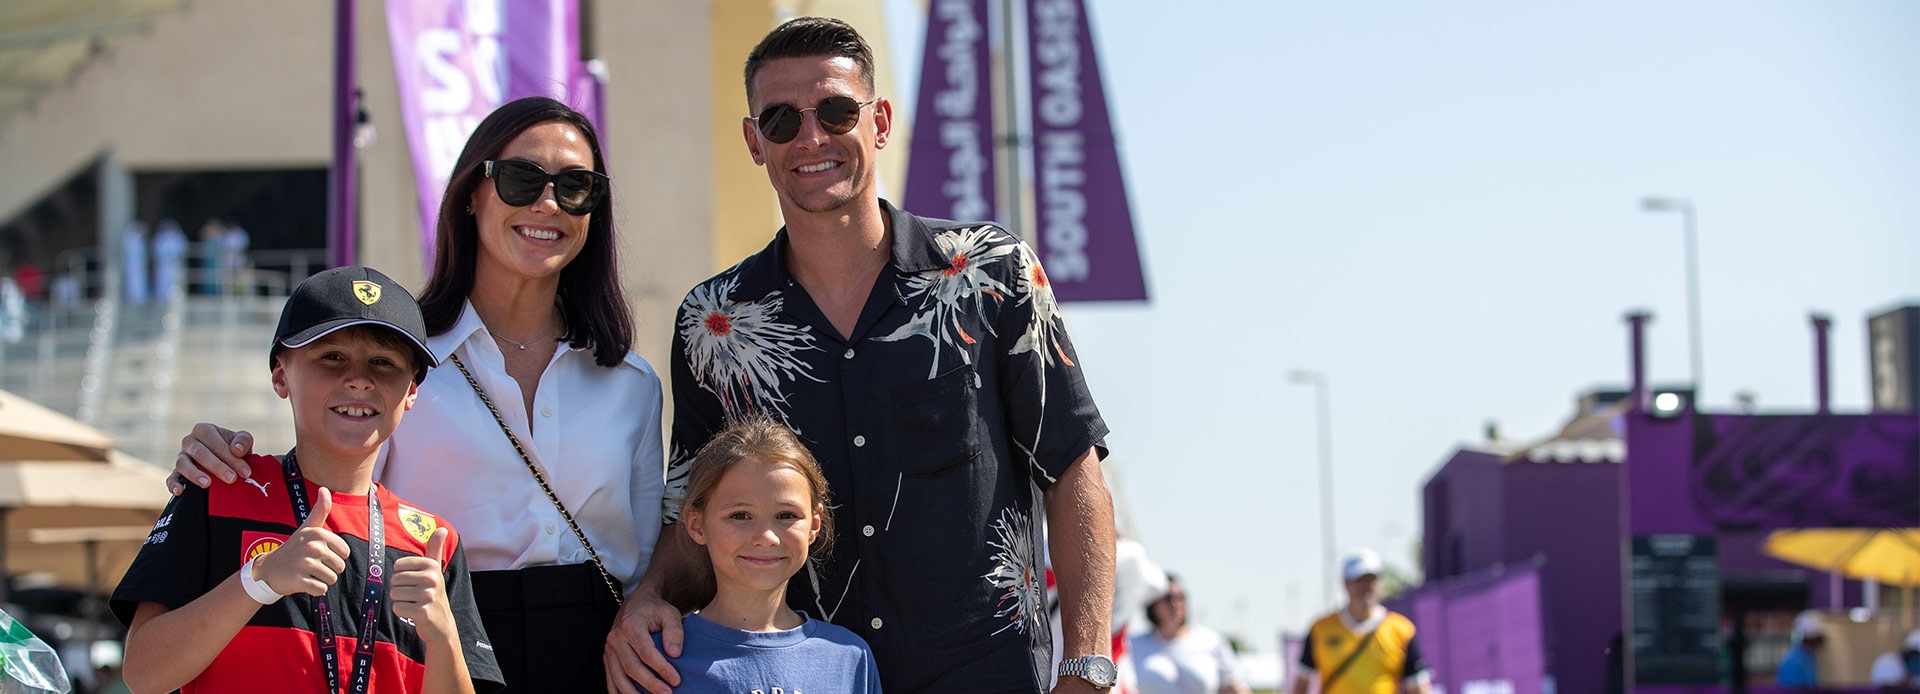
{"points": [[206, 534]]}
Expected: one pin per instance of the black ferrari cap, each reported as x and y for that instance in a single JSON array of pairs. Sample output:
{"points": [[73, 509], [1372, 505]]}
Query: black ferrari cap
{"points": [[348, 296]]}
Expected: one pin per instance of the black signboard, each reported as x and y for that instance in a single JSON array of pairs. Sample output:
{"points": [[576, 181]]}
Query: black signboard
{"points": [[1676, 609]]}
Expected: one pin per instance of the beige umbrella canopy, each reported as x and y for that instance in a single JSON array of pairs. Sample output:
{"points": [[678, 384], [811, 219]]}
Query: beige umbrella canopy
{"points": [[79, 523], [29, 431]]}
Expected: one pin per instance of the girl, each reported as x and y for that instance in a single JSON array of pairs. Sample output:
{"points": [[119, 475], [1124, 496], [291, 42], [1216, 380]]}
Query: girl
{"points": [[757, 502]]}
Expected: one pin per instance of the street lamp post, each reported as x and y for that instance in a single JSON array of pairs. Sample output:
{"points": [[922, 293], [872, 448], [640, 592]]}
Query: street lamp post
{"points": [[1685, 208], [1318, 380]]}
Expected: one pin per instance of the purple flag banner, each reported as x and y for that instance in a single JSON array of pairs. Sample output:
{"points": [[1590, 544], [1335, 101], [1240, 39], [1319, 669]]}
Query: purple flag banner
{"points": [[951, 174], [456, 61], [1085, 236]]}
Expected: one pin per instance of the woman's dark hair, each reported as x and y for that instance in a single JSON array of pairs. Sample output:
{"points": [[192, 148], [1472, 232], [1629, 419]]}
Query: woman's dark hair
{"points": [[1152, 618], [592, 300]]}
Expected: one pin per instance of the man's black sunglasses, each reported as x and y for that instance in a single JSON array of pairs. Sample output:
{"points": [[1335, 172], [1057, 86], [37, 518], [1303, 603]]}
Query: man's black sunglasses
{"points": [[519, 183], [837, 114]]}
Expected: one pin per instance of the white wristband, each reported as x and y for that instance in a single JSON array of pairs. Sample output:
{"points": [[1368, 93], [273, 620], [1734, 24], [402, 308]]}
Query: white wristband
{"points": [[256, 588]]}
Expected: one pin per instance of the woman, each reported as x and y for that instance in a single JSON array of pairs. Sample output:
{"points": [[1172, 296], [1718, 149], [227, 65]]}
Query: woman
{"points": [[1181, 658], [525, 296]]}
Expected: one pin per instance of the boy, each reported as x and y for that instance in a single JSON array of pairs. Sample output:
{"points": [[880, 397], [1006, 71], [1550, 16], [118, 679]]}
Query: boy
{"points": [[269, 585]]}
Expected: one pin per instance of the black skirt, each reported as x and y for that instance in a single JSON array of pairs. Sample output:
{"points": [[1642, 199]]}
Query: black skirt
{"points": [[548, 626]]}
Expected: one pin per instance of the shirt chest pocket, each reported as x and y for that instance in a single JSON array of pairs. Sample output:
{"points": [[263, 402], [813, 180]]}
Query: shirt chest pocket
{"points": [[936, 423]]}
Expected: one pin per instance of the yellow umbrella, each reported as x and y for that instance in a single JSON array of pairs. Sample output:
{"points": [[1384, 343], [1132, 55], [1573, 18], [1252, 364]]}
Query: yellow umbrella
{"points": [[29, 431], [1888, 555]]}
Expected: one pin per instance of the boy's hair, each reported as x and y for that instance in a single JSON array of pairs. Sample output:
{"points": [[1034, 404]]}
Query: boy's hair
{"points": [[811, 37], [756, 438], [380, 336]]}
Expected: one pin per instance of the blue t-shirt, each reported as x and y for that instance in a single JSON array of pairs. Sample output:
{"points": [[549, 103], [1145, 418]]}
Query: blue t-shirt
{"points": [[1797, 670], [813, 658]]}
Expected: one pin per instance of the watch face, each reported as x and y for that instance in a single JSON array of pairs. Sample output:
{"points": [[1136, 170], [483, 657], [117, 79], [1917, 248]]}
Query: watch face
{"points": [[1101, 671]]}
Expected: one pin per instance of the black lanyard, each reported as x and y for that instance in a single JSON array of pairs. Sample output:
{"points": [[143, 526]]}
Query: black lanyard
{"points": [[376, 585]]}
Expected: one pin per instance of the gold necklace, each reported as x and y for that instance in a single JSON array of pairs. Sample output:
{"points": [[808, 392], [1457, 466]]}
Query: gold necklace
{"points": [[531, 340]]}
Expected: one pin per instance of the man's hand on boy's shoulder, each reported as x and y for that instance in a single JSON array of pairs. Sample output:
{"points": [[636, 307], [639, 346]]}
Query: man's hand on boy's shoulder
{"points": [[210, 451], [419, 591], [310, 560]]}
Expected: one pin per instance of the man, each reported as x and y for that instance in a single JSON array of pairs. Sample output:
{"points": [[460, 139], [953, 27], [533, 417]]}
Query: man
{"points": [[925, 364], [1363, 648], [1799, 669]]}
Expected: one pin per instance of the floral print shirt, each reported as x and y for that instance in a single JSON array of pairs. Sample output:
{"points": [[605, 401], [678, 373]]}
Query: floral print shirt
{"points": [[955, 403]]}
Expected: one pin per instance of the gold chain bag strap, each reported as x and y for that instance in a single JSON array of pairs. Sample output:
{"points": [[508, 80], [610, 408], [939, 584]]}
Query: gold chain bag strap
{"points": [[537, 477]]}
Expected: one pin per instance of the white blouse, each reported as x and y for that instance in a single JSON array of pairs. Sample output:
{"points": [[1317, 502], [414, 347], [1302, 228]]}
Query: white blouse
{"points": [[595, 435]]}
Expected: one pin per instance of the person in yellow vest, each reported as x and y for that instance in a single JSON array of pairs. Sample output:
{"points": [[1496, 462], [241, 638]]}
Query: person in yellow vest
{"points": [[1363, 648]]}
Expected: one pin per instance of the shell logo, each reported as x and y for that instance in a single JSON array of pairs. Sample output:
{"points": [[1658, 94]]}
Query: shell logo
{"points": [[261, 547]]}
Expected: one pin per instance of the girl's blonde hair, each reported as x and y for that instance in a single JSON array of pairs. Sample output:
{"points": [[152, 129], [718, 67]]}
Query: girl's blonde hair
{"points": [[755, 438]]}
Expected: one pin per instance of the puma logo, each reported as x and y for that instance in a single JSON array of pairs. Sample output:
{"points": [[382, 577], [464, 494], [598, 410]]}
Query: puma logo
{"points": [[258, 483]]}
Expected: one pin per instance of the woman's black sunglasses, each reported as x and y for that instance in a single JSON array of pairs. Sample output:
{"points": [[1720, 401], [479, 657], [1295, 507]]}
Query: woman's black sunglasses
{"points": [[519, 183], [837, 114]]}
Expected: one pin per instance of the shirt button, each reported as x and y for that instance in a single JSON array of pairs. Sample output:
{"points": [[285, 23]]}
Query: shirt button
{"points": [[849, 353], [859, 441], [867, 531], [549, 528], [876, 622], [546, 412]]}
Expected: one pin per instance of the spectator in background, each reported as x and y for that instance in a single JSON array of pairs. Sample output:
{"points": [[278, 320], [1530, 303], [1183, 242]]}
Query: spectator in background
{"points": [[133, 261], [234, 260], [1178, 657], [1364, 648], [206, 273], [1898, 671], [1798, 669], [169, 258]]}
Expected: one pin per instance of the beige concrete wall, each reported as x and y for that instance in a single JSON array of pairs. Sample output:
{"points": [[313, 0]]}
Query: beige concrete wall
{"points": [[662, 168], [222, 84]]}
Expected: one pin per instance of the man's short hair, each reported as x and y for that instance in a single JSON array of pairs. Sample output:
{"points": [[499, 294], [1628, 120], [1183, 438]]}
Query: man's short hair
{"points": [[812, 37]]}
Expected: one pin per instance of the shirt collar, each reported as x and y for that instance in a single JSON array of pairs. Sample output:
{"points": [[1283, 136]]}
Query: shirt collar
{"points": [[1363, 628], [469, 323], [914, 250]]}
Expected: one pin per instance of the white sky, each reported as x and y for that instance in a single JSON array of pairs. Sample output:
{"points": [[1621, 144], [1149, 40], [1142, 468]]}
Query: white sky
{"points": [[1438, 205]]}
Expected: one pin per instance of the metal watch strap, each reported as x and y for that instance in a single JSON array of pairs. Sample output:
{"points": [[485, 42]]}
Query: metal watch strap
{"points": [[537, 477]]}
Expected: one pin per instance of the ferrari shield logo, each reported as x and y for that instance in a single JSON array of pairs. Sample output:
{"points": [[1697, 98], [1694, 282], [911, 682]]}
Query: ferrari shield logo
{"points": [[418, 523], [367, 292]]}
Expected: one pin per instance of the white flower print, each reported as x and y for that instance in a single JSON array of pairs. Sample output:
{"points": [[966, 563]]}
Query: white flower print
{"points": [[740, 351], [679, 469], [948, 293], [1045, 333], [1014, 574]]}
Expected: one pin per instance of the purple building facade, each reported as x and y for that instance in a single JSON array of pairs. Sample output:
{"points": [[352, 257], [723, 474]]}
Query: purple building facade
{"points": [[1558, 509]]}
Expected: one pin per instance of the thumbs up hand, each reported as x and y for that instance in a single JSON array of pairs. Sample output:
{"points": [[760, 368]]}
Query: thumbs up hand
{"points": [[419, 591], [310, 560]]}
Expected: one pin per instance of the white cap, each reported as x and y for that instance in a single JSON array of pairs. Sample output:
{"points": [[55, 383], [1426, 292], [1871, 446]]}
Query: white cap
{"points": [[1360, 563], [1807, 625], [1888, 671], [1913, 640]]}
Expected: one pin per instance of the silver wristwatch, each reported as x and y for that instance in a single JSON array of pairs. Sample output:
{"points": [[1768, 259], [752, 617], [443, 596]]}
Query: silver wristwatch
{"points": [[1097, 669]]}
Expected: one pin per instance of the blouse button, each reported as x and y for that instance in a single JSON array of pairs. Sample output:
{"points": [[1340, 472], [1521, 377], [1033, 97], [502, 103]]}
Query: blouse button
{"points": [[546, 412]]}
